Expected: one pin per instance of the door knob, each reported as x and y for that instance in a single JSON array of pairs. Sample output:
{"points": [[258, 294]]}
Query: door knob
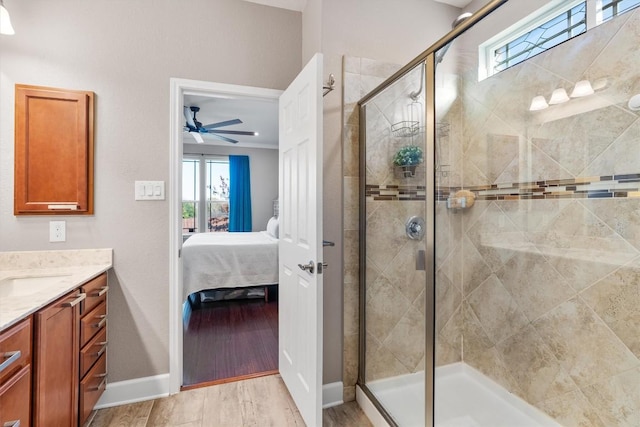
{"points": [[310, 267]]}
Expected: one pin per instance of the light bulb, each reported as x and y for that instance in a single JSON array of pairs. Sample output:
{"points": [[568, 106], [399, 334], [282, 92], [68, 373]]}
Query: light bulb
{"points": [[582, 88], [538, 103], [5, 21], [559, 96]]}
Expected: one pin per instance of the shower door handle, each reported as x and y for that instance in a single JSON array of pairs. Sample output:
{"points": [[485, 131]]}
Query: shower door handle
{"points": [[420, 261]]}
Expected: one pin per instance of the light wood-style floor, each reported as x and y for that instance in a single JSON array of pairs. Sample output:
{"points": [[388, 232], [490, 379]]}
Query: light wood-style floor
{"points": [[256, 402]]}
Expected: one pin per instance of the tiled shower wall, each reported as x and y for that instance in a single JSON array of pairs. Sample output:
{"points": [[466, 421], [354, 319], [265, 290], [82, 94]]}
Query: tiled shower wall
{"points": [[360, 77], [542, 274], [538, 284]]}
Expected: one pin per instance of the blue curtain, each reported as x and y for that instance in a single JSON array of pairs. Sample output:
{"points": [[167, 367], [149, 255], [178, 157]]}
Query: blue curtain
{"points": [[239, 194]]}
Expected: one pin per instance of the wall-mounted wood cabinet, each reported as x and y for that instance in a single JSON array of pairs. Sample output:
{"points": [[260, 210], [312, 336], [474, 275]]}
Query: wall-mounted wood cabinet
{"points": [[53, 151]]}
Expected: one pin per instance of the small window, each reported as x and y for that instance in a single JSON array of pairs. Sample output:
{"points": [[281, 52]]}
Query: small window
{"points": [[561, 28], [613, 8], [557, 22], [551, 25]]}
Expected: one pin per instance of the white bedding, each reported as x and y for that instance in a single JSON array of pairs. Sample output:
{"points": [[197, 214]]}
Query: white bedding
{"points": [[229, 260]]}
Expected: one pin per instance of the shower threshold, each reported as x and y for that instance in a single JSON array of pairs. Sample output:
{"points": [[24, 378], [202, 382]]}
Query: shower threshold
{"points": [[464, 397]]}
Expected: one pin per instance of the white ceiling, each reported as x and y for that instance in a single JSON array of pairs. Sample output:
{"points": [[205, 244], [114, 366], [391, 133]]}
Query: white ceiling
{"points": [[257, 115]]}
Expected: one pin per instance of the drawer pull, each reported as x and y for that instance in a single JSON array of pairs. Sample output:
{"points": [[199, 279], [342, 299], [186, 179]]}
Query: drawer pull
{"points": [[66, 207], [75, 302], [102, 383], [103, 290], [102, 322], [102, 350], [15, 423], [11, 357]]}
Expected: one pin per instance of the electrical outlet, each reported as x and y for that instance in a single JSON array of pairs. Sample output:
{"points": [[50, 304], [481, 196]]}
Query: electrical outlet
{"points": [[57, 231]]}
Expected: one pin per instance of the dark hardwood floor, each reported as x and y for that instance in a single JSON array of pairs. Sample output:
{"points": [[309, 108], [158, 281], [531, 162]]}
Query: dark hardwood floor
{"points": [[229, 339]]}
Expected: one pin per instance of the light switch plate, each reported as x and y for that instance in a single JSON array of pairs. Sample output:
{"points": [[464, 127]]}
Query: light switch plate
{"points": [[57, 231], [149, 190]]}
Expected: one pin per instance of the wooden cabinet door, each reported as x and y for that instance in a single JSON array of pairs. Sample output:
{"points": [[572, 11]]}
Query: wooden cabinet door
{"points": [[56, 364], [15, 399], [53, 151]]}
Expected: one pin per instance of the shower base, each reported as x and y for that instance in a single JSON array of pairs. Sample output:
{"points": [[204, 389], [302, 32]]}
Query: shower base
{"points": [[464, 398]]}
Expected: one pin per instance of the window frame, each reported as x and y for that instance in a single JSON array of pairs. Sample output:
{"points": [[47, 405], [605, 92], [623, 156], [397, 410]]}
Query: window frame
{"points": [[202, 201], [486, 50]]}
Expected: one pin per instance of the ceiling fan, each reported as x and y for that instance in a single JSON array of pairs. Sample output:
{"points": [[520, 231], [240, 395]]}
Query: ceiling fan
{"points": [[196, 129]]}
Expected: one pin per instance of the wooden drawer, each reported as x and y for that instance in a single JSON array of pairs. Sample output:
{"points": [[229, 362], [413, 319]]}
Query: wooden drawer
{"points": [[15, 399], [91, 387], [16, 338], [96, 291], [92, 351], [92, 323]]}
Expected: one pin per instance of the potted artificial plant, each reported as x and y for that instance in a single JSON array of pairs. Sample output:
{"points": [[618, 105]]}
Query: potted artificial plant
{"points": [[408, 158]]}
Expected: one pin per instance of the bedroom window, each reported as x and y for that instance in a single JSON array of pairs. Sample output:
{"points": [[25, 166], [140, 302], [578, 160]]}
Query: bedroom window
{"points": [[205, 194]]}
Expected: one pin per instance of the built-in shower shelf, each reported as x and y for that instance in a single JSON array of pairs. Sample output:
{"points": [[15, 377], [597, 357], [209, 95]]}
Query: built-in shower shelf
{"points": [[405, 129]]}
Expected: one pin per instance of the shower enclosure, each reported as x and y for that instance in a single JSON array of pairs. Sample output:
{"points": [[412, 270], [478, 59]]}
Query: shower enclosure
{"points": [[500, 223]]}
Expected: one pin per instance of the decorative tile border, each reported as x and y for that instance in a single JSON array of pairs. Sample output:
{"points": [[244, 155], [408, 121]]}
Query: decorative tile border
{"points": [[593, 187], [396, 192]]}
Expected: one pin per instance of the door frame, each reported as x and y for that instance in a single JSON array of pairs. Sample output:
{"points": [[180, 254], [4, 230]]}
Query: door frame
{"points": [[178, 89]]}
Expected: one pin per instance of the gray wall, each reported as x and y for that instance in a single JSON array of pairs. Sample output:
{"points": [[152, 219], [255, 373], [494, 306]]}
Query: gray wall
{"points": [[126, 52], [389, 31], [264, 177]]}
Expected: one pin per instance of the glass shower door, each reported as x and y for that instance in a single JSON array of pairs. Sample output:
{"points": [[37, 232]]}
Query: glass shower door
{"points": [[537, 229], [393, 171]]}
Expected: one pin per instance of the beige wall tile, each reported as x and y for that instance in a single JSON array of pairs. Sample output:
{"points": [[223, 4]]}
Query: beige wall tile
{"points": [[585, 347]]}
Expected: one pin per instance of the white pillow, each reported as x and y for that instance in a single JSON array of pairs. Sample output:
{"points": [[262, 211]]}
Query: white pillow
{"points": [[272, 226]]}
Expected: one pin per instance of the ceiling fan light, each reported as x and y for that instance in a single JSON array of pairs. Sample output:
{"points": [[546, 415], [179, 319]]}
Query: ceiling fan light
{"points": [[5, 21], [197, 137]]}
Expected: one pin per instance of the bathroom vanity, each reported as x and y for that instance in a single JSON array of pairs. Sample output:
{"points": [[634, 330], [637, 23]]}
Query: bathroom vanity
{"points": [[53, 335]]}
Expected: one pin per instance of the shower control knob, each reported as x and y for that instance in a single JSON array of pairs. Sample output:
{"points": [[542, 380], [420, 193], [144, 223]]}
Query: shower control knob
{"points": [[415, 228]]}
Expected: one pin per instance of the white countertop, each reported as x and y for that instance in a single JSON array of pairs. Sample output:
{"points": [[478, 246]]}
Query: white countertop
{"points": [[66, 271]]}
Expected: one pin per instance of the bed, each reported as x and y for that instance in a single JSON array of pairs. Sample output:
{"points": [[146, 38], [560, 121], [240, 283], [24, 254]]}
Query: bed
{"points": [[230, 260]]}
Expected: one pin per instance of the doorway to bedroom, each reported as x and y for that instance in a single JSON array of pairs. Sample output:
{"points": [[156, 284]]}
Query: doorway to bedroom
{"points": [[229, 192]]}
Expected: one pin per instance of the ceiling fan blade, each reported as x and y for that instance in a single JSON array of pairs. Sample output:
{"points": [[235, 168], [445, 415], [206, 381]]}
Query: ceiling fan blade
{"points": [[233, 132], [221, 124], [223, 138], [190, 123]]}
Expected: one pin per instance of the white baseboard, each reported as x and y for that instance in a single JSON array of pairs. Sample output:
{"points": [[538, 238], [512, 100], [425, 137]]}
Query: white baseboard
{"points": [[369, 409], [147, 388], [332, 394], [137, 390]]}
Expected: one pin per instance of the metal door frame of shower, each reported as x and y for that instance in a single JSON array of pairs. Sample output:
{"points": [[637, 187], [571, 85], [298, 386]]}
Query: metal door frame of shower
{"points": [[428, 59]]}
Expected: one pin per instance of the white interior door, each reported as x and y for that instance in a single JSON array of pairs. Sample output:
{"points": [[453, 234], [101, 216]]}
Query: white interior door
{"points": [[300, 290]]}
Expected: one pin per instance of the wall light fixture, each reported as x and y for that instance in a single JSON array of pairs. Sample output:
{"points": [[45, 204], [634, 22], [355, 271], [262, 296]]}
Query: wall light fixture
{"points": [[5, 21], [559, 96]]}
